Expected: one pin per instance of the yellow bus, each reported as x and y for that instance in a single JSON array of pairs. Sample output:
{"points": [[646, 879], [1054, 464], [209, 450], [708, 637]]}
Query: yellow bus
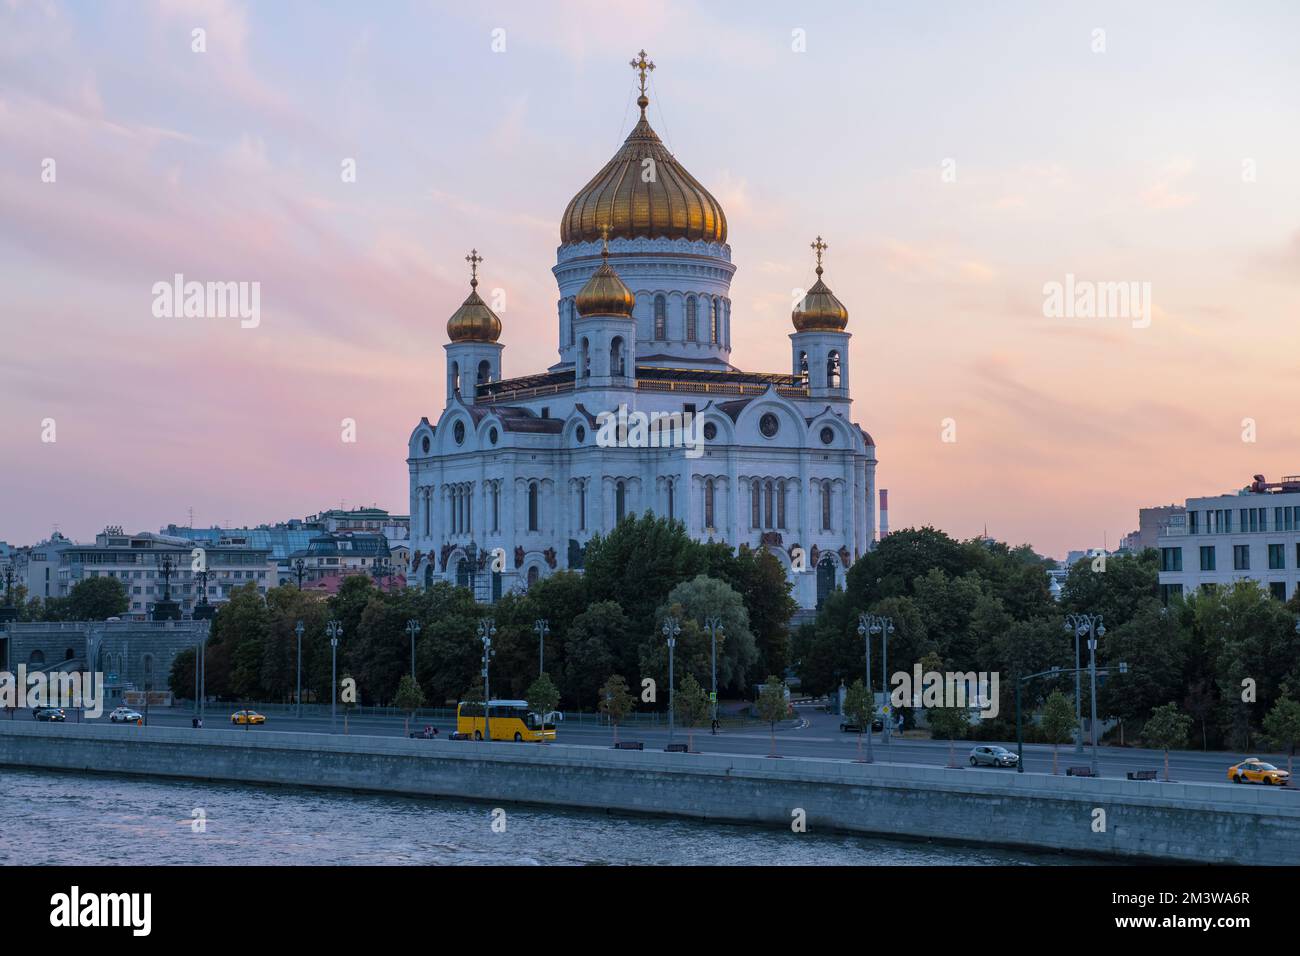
{"points": [[510, 720]]}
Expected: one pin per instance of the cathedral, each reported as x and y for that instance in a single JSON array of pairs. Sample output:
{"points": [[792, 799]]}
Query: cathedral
{"points": [[644, 410]]}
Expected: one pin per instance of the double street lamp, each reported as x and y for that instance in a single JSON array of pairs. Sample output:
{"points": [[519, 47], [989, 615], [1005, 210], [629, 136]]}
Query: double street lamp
{"points": [[412, 629], [487, 629], [334, 630], [883, 625], [1091, 625], [713, 625], [672, 627], [865, 623], [542, 627]]}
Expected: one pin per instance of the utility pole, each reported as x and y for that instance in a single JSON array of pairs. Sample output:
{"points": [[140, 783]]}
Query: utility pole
{"points": [[542, 627]]}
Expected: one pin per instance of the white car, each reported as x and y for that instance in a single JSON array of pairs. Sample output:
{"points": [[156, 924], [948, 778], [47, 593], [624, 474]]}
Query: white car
{"points": [[125, 715]]}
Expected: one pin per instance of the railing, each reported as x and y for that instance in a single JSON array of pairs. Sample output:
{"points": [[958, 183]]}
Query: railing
{"points": [[718, 388], [516, 394]]}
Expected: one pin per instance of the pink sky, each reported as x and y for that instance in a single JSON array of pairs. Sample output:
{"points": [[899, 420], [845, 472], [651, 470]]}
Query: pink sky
{"points": [[1122, 165]]}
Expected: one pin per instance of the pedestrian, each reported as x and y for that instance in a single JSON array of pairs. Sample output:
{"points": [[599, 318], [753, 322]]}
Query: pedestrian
{"points": [[714, 725]]}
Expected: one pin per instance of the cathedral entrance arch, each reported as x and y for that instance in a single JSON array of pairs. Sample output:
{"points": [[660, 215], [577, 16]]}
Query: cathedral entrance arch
{"points": [[825, 578]]}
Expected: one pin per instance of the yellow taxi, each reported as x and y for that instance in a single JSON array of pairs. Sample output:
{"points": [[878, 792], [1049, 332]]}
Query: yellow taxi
{"points": [[1257, 771], [247, 717]]}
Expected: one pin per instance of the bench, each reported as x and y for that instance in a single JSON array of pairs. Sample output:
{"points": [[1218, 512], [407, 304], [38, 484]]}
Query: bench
{"points": [[1142, 774], [676, 749], [629, 745], [1079, 772]]}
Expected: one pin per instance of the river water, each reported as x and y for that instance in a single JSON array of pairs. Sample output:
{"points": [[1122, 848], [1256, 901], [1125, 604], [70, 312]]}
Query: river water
{"points": [[94, 819]]}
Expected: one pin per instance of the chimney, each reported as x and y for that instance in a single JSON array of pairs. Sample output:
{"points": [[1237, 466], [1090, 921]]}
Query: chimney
{"points": [[884, 512]]}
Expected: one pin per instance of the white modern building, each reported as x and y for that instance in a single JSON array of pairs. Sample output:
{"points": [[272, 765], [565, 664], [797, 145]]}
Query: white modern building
{"points": [[530, 467], [1253, 533]]}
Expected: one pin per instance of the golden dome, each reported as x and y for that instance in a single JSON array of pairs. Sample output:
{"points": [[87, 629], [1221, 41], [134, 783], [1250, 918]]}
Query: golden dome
{"points": [[605, 293], [671, 205], [474, 321], [819, 310]]}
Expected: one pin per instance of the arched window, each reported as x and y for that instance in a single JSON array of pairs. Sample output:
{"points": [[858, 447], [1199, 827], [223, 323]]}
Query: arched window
{"points": [[755, 503], [427, 510], [692, 316], [484, 372], [671, 516], [833, 370], [780, 505], [573, 322], [616, 365], [713, 321], [767, 504], [726, 323], [661, 318], [826, 506], [496, 506], [532, 506], [455, 376], [582, 506], [620, 501], [708, 503], [533, 575], [803, 365], [584, 361]]}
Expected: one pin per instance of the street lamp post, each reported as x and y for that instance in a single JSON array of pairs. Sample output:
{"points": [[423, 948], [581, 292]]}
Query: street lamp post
{"points": [[412, 629], [671, 629], [714, 624], [864, 629], [299, 569], [297, 629], [1091, 625], [542, 627], [335, 631], [486, 629], [883, 625], [1122, 666]]}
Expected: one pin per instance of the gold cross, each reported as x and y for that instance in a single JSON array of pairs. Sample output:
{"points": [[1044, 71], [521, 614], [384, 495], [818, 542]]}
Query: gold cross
{"points": [[642, 66], [819, 247], [473, 259]]}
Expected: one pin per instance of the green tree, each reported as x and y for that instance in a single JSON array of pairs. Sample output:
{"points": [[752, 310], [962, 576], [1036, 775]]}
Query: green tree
{"points": [[690, 707], [1282, 725], [860, 708], [615, 701], [1167, 729], [1057, 722], [638, 563], [772, 706], [691, 603], [95, 599], [542, 697], [409, 698], [1117, 592], [597, 644]]}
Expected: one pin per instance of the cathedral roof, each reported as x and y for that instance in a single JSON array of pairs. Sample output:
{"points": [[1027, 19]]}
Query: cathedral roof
{"points": [[474, 321], [635, 198], [605, 293], [819, 310]]}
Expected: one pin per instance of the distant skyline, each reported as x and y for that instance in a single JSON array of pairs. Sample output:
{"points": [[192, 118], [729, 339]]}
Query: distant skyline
{"points": [[957, 158]]}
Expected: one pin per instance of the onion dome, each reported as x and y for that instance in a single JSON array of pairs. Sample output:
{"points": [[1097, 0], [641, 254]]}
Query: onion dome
{"points": [[819, 310], [605, 293], [640, 199], [474, 321]]}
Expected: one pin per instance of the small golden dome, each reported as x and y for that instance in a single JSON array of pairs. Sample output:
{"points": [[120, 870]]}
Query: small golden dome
{"points": [[474, 321], [605, 293], [659, 199], [819, 310]]}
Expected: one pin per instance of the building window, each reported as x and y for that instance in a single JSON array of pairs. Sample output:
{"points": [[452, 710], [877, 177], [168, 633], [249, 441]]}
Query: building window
{"points": [[1168, 591], [573, 317], [713, 321], [769, 494], [1191, 522], [661, 318], [1241, 557], [833, 370], [1277, 589], [533, 575], [1208, 561], [532, 506], [1276, 557], [496, 506], [755, 503], [780, 505], [670, 500], [620, 501], [826, 506], [708, 503], [692, 316], [1171, 559], [616, 366], [582, 506]]}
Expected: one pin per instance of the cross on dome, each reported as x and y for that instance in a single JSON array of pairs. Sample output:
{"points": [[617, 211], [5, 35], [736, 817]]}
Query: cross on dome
{"points": [[473, 259], [819, 247], [642, 66]]}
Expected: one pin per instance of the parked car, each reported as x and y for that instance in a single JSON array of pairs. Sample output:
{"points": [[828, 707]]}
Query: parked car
{"points": [[849, 725], [50, 713], [991, 755], [1257, 771], [247, 717], [125, 715]]}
